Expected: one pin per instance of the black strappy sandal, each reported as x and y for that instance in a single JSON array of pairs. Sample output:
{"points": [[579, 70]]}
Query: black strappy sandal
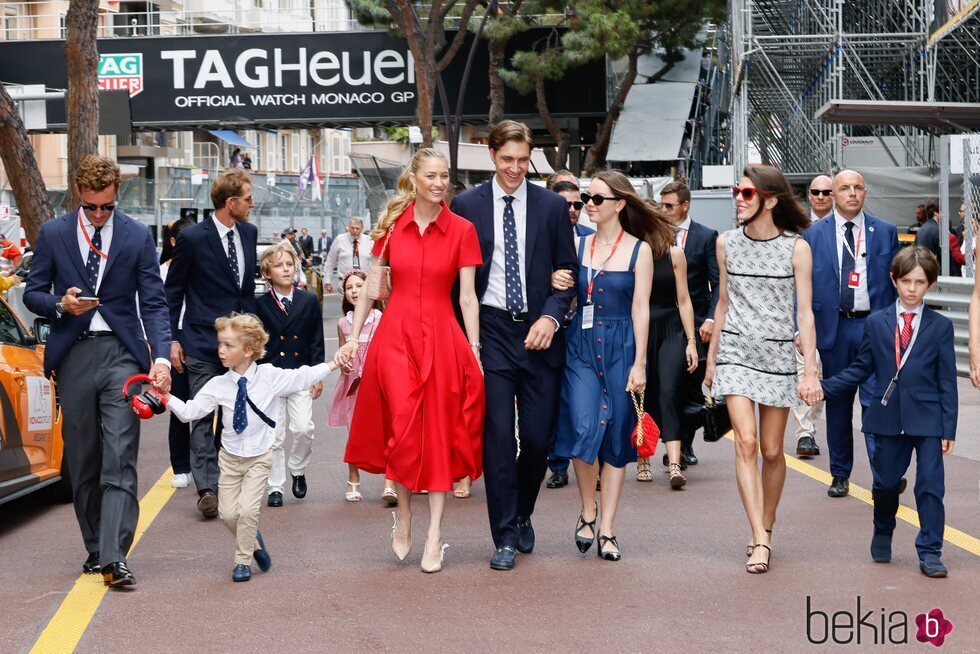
{"points": [[609, 556], [750, 567], [581, 542]]}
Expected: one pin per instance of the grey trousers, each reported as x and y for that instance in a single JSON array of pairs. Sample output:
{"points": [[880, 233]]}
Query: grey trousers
{"points": [[102, 436], [204, 453]]}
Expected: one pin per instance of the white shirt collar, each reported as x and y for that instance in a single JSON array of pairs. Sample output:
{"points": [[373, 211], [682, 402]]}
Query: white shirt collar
{"points": [[222, 230], [283, 297], [686, 225], [899, 310], [88, 223], [520, 194], [814, 217], [249, 373], [858, 220]]}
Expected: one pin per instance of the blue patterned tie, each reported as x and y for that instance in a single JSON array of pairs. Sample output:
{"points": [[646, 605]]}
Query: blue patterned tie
{"points": [[233, 255], [286, 303], [512, 259], [240, 419], [92, 265], [846, 268]]}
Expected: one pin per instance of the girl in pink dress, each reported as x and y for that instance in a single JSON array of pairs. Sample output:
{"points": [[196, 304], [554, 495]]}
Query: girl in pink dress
{"points": [[345, 393]]}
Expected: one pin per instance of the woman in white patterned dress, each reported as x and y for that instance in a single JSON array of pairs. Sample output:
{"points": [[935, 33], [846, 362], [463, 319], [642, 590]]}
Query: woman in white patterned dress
{"points": [[765, 266]]}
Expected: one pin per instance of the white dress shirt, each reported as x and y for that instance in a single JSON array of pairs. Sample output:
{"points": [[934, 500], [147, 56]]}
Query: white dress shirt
{"points": [[862, 301], [680, 239], [899, 310], [266, 386], [239, 249], [496, 293], [340, 260], [98, 323], [814, 217]]}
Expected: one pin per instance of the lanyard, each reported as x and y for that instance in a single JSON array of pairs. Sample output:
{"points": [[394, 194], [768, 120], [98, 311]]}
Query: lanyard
{"points": [[275, 297], [682, 233], [88, 240], [857, 246], [591, 275]]}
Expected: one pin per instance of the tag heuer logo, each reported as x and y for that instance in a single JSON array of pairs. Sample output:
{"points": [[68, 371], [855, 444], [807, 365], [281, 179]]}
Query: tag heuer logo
{"points": [[119, 72]]}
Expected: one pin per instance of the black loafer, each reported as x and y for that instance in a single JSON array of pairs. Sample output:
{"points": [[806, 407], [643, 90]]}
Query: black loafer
{"points": [[299, 486], [117, 574], [241, 572], [558, 479], [91, 564], [261, 555], [839, 487], [525, 536], [688, 458], [275, 499], [807, 447], [503, 558]]}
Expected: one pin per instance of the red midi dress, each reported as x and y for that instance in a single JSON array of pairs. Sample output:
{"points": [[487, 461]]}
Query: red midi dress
{"points": [[420, 406]]}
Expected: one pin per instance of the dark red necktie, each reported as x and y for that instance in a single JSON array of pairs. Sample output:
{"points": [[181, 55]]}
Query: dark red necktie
{"points": [[907, 328], [356, 254]]}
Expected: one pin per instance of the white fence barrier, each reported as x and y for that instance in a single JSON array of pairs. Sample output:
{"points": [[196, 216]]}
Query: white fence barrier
{"points": [[951, 297]]}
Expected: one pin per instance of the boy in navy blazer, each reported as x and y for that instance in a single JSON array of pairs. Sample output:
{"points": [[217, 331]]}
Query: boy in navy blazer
{"points": [[908, 347], [295, 324]]}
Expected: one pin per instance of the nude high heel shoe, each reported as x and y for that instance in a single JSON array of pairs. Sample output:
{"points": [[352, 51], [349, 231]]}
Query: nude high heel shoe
{"points": [[401, 556], [438, 566]]}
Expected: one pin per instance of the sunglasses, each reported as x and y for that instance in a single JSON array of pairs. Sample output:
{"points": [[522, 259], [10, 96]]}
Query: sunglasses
{"points": [[577, 205], [747, 193], [817, 191], [596, 199], [99, 207], [669, 206]]}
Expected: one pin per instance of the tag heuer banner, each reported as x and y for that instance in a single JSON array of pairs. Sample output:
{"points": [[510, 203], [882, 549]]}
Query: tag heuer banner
{"points": [[270, 80]]}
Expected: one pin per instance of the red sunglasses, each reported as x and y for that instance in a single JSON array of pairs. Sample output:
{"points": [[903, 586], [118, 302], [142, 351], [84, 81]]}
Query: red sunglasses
{"points": [[747, 193]]}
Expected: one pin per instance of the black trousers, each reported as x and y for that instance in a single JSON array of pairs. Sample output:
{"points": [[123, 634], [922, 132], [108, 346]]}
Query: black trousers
{"points": [[180, 432], [515, 375]]}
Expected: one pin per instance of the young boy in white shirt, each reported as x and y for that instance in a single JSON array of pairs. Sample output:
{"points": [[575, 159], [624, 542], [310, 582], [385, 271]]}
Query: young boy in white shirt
{"points": [[248, 394]]}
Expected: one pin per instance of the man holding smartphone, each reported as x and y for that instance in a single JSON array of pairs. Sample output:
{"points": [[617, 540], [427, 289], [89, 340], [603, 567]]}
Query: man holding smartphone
{"points": [[92, 258]]}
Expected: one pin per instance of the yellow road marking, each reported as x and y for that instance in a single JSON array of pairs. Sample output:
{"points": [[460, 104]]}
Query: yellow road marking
{"points": [[71, 619], [953, 536]]}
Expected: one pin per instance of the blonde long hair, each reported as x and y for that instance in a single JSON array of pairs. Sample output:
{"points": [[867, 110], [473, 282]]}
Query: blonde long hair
{"points": [[406, 192]]}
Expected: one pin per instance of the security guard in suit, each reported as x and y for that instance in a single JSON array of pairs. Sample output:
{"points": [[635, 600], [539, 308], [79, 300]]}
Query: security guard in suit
{"points": [[294, 322]]}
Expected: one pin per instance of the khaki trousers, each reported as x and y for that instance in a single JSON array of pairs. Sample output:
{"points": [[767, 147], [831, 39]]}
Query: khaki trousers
{"points": [[807, 416], [241, 488]]}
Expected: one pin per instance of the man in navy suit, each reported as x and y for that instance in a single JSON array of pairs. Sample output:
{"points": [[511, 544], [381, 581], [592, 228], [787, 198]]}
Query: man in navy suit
{"points": [[698, 243], [524, 236], [907, 349], [94, 347], [213, 274], [852, 252]]}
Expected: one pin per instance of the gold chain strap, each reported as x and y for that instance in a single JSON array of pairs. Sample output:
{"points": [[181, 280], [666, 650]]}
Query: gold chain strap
{"points": [[384, 248], [638, 405]]}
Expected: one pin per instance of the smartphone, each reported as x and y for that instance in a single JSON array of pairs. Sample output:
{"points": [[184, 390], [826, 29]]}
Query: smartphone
{"points": [[86, 298]]}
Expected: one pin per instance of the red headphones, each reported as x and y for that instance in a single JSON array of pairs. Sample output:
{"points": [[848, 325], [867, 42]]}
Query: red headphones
{"points": [[145, 404]]}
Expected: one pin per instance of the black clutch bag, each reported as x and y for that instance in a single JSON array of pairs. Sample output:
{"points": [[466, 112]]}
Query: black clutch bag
{"points": [[714, 417]]}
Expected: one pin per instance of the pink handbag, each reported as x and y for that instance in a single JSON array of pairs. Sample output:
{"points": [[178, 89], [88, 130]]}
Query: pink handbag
{"points": [[378, 282]]}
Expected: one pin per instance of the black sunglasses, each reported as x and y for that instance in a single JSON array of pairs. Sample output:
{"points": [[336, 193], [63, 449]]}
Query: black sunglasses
{"points": [[596, 199], [818, 191], [97, 207], [669, 206], [577, 205]]}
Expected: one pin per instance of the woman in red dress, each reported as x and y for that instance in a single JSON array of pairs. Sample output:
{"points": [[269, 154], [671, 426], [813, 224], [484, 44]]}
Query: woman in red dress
{"points": [[420, 406]]}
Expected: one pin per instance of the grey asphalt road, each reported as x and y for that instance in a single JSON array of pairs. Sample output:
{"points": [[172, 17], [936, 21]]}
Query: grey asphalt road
{"points": [[336, 587]]}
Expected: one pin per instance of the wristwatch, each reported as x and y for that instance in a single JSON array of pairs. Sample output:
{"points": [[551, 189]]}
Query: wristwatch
{"points": [[59, 307], [477, 345]]}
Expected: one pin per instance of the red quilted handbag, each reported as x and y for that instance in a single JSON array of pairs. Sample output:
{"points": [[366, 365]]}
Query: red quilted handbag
{"points": [[646, 433]]}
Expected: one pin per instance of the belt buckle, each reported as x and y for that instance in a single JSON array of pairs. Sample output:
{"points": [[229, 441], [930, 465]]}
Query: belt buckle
{"points": [[513, 317]]}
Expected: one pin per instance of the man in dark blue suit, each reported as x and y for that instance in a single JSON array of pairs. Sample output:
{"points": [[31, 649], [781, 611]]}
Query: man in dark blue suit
{"points": [[852, 252], [698, 243], [524, 236], [94, 347], [908, 350], [212, 274]]}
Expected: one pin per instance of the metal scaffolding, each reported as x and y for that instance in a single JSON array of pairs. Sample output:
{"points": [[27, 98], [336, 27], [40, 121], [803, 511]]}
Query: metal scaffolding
{"points": [[790, 57]]}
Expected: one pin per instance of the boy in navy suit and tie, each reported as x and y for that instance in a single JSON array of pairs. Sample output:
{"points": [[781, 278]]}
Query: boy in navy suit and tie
{"points": [[909, 349], [295, 325]]}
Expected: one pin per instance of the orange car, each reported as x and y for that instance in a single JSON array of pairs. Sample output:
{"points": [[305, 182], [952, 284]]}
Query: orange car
{"points": [[30, 441]]}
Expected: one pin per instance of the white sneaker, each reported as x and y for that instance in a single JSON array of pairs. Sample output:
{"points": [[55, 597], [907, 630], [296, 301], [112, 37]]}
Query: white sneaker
{"points": [[180, 480]]}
